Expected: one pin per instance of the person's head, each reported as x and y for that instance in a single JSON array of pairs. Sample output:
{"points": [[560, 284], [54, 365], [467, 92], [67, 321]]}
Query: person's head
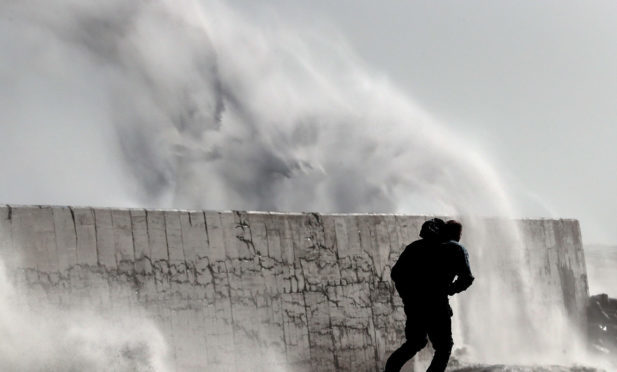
{"points": [[453, 230], [431, 229]]}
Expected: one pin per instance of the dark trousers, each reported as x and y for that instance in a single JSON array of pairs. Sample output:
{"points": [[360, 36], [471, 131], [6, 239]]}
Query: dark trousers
{"points": [[435, 323]]}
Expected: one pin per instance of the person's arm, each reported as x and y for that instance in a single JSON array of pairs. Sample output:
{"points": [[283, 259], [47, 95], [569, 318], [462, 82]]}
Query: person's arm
{"points": [[396, 273], [464, 278]]}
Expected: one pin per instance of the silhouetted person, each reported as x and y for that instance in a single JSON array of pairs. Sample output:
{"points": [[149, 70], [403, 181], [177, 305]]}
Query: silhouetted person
{"points": [[427, 272]]}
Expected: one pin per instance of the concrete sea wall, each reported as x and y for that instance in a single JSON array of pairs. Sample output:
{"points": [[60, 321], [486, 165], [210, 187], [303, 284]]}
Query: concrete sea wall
{"points": [[250, 291]]}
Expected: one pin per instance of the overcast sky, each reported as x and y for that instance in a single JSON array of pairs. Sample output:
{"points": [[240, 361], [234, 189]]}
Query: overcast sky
{"points": [[532, 84]]}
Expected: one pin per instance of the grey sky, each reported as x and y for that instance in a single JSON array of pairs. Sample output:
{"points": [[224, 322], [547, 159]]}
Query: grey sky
{"points": [[533, 84]]}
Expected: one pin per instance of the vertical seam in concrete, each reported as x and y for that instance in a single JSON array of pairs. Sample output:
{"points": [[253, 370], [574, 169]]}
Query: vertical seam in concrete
{"points": [[10, 244], [207, 234], [171, 323], [169, 281], [293, 249], [332, 338], [252, 243], [96, 237], [55, 258], [148, 248], [231, 313], [166, 238], [250, 246], [283, 328], [375, 342], [266, 217], [308, 329], [279, 295], [132, 275], [133, 236], [186, 264], [115, 238], [372, 233], [322, 225], [193, 266], [75, 231]]}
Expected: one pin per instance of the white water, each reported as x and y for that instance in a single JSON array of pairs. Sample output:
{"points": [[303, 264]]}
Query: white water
{"points": [[189, 104], [44, 338]]}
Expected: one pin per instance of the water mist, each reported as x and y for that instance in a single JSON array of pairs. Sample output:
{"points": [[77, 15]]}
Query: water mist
{"points": [[40, 336]]}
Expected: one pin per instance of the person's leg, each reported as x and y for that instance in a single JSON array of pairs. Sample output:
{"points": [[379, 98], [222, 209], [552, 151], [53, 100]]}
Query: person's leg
{"points": [[415, 333], [440, 334]]}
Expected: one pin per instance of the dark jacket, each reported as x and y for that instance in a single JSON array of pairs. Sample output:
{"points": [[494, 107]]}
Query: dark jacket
{"points": [[426, 271]]}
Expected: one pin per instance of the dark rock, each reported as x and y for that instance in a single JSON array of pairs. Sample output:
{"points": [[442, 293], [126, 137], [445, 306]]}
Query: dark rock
{"points": [[602, 324]]}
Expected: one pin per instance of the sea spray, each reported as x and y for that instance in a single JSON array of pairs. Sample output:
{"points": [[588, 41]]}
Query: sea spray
{"points": [[39, 336]]}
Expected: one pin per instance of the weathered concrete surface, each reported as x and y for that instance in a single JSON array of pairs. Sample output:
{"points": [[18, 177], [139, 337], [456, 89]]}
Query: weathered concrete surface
{"points": [[249, 291], [557, 261]]}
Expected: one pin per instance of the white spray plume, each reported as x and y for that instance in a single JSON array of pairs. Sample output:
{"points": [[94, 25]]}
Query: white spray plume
{"points": [[40, 337], [183, 104]]}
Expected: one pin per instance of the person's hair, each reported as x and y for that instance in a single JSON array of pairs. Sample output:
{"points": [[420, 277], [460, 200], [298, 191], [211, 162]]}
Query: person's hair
{"points": [[432, 228], [452, 230]]}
